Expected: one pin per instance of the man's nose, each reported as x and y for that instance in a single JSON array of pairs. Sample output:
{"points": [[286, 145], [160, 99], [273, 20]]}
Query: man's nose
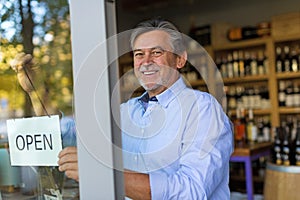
{"points": [[148, 59]]}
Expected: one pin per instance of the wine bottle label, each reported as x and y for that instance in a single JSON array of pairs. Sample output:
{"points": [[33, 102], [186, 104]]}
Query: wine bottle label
{"points": [[287, 66], [297, 100], [278, 66], [261, 70], [236, 69], [282, 97], [266, 133], [294, 65], [253, 66], [235, 34], [252, 132], [289, 101], [266, 65], [256, 101], [230, 70]]}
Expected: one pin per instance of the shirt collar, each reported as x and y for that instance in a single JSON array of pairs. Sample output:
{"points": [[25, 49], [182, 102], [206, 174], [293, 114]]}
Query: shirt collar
{"points": [[145, 98], [166, 96]]}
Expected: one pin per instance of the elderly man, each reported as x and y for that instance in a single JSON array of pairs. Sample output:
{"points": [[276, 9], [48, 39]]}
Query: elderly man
{"points": [[176, 141]]}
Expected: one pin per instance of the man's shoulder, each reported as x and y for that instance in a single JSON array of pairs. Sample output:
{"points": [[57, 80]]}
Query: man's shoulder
{"points": [[197, 94]]}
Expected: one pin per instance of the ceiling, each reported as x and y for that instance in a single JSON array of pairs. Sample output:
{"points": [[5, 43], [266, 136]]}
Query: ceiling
{"points": [[142, 6]]}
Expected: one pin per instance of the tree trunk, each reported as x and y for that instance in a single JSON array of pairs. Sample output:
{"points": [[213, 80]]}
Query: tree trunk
{"points": [[27, 35]]}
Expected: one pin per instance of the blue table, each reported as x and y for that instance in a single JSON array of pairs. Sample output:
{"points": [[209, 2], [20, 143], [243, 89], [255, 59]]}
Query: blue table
{"points": [[247, 153]]}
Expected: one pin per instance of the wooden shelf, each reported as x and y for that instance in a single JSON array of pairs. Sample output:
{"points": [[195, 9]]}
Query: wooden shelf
{"points": [[289, 110], [243, 44], [288, 75], [262, 111], [245, 79], [196, 83], [255, 111], [287, 38]]}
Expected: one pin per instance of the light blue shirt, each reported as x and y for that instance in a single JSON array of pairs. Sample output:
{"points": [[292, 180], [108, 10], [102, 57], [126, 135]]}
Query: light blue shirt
{"points": [[68, 131], [183, 141]]}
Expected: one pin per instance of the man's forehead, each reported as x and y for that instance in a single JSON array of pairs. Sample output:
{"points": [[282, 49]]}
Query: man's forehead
{"points": [[150, 39]]}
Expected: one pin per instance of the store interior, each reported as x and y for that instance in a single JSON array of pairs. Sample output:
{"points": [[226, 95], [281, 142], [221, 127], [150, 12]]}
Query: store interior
{"points": [[253, 96]]}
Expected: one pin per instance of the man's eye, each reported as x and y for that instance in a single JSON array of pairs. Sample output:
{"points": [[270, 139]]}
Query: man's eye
{"points": [[156, 53], [138, 54]]}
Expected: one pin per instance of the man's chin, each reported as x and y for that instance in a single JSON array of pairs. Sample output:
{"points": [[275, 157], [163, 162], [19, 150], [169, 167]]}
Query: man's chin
{"points": [[150, 86]]}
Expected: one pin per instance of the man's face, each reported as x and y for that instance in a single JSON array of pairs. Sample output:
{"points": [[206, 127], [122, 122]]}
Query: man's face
{"points": [[155, 65]]}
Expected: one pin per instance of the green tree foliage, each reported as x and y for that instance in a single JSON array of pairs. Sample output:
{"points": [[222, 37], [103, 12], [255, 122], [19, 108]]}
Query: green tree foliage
{"points": [[40, 28]]}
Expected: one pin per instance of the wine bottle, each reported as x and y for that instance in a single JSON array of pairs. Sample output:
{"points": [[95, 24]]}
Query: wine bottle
{"points": [[224, 67], [294, 60], [260, 127], [242, 33], [277, 147], [257, 103], [230, 72], [251, 128], [296, 98], [247, 63], [232, 98], [240, 90], [289, 94], [297, 148], [235, 64], [239, 126], [281, 93], [286, 148], [279, 64], [253, 64], [266, 128], [241, 63], [260, 63], [287, 63], [266, 63]]}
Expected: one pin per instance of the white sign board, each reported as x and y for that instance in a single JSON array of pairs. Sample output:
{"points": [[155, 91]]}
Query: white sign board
{"points": [[34, 141]]}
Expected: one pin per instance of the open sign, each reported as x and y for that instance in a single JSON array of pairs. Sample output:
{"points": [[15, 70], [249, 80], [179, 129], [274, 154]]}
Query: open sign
{"points": [[34, 141]]}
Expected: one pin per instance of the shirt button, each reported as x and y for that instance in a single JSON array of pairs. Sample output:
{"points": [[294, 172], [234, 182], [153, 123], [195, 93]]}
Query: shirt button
{"points": [[135, 158]]}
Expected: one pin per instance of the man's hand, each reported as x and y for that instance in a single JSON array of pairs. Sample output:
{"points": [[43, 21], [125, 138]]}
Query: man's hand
{"points": [[25, 67], [68, 162], [31, 78]]}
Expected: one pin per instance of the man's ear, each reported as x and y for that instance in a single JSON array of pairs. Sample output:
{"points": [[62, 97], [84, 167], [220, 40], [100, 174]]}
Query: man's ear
{"points": [[181, 60]]}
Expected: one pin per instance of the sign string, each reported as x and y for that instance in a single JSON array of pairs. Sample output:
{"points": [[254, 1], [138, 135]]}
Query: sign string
{"points": [[15, 100]]}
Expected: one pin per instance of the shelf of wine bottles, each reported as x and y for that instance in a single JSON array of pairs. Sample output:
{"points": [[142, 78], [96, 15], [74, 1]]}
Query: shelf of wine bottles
{"points": [[289, 93], [250, 129], [247, 97], [287, 57], [242, 62], [286, 149]]}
